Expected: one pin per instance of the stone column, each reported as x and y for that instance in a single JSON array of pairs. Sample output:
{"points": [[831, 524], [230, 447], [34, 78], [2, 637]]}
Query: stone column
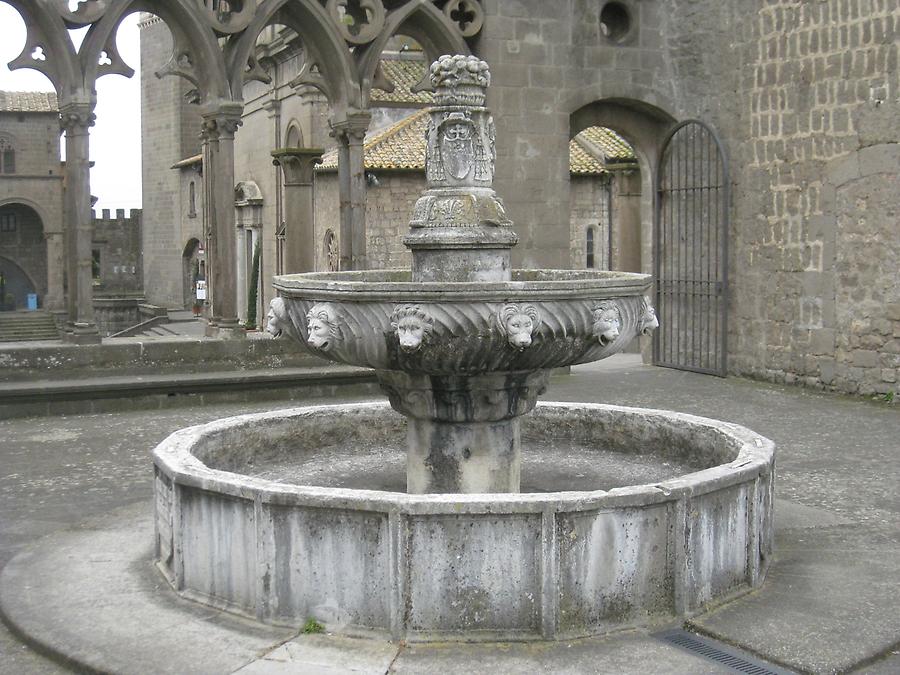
{"points": [[219, 128], [56, 269], [298, 167], [350, 134], [76, 120]]}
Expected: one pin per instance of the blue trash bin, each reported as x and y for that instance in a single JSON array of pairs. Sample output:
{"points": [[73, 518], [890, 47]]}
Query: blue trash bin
{"points": [[32, 302]]}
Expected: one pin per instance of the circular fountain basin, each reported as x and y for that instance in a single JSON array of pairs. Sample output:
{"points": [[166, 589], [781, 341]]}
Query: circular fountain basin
{"points": [[601, 555]]}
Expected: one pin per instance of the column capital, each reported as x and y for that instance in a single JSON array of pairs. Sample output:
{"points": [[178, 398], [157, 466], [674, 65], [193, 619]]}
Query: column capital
{"points": [[222, 122], [298, 164], [350, 127], [74, 117]]}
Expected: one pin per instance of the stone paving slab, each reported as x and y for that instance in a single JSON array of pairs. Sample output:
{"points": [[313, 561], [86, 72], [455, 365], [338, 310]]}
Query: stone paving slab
{"points": [[92, 598], [632, 653], [326, 655], [831, 600]]}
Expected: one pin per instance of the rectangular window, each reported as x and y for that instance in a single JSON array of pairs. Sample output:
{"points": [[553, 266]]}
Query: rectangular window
{"points": [[95, 264], [9, 161], [192, 201], [8, 222]]}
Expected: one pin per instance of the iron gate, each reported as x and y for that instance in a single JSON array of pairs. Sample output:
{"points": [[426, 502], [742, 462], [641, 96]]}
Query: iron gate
{"points": [[690, 250]]}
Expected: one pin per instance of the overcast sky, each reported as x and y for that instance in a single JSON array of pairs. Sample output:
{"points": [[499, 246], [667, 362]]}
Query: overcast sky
{"points": [[116, 138]]}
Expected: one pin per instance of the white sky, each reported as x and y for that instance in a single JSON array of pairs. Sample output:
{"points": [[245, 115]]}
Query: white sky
{"points": [[116, 138]]}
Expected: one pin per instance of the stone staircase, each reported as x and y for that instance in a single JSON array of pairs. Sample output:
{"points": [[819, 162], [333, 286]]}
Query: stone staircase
{"points": [[27, 326]]}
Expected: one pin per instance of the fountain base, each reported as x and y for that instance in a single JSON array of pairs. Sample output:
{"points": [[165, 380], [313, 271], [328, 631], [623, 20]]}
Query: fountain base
{"points": [[550, 565]]}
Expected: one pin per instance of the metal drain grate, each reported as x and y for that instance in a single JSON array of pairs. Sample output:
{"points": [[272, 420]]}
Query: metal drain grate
{"points": [[733, 659]]}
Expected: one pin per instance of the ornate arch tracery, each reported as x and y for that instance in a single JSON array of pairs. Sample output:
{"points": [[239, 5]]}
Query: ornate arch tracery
{"points": [[214, 49]]}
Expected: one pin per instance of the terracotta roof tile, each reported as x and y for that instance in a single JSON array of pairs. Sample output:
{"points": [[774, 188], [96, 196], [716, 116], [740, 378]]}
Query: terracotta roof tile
{"points": [[402, 147], [607, 143], [28, 101], [405, 74]]}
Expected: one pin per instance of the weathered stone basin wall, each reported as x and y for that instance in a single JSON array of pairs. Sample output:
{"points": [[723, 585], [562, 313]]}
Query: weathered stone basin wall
{"points": [[517, 566]]}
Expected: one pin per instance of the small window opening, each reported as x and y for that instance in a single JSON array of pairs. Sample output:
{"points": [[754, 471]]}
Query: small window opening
{"points": [[589, 245], [280, 234], [9, 161], [95, 264], [615, 21], [192, 200], [8, 222]]}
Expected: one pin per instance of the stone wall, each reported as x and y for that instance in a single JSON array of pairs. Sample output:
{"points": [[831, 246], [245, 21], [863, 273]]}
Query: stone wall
{"points": [[817, 288], [170, 129], [388, 209], [804, 97], [34, 195], [589, 207], [118, 241]]}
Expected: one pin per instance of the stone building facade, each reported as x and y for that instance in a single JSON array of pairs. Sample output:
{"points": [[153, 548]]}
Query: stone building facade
{"points": [[31, 193], [32, 236], [803, 98]]}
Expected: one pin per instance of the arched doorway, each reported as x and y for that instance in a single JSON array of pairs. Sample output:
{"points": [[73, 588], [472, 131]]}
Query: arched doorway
{"points": [[193, 265], [23, 256], [643, 127]]}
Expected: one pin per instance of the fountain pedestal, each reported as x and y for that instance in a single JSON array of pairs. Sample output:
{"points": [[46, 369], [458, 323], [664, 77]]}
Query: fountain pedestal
{"points": [[463, 432]]}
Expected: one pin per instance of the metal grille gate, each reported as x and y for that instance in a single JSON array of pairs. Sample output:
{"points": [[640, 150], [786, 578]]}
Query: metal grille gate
{"points": [[690, 251]]}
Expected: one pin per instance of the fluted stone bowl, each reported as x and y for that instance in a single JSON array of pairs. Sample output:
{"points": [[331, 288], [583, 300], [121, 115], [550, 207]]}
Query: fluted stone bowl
{"points": [[541, 319]]}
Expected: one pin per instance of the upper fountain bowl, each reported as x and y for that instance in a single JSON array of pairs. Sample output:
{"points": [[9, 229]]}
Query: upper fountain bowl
{"points": [[539, 319]]}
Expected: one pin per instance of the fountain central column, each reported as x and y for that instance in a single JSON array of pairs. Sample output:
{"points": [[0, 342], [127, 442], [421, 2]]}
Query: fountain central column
{"points": [[463, 432]]}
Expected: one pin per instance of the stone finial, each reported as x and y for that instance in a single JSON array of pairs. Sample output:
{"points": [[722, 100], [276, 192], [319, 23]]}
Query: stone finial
{"points": [[459, 80]]}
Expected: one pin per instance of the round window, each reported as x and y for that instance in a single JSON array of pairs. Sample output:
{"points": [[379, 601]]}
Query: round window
{"points": [[615, 21]]}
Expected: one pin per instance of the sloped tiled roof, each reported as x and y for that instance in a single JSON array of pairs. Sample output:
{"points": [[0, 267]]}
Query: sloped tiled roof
{"points": [[582, 162], [607, 143], [405, 74], [28, 101], [402, 147]]}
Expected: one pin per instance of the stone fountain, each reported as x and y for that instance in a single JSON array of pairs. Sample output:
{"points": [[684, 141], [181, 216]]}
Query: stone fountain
{"points": [[463, 345]]}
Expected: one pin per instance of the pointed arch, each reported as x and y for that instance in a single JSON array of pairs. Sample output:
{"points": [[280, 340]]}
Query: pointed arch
{"points": [[190, 32], [426, 24], [313, 24], [47, 30], [293, 135]]}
